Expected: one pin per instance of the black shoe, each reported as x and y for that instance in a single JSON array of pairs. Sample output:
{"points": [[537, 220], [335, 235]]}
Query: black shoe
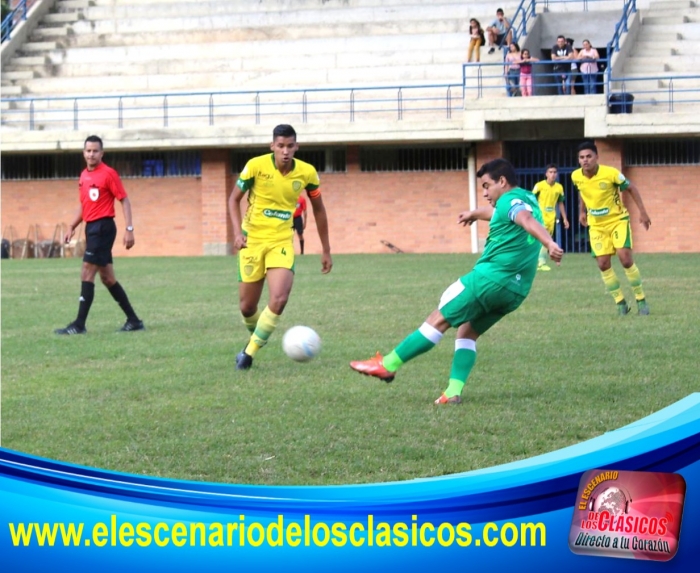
{"points": [[492, 50], [243, 360], [622, 308], [131, 325], [72, 328]]}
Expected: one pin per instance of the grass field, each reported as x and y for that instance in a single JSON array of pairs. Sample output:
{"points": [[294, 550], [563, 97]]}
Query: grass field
{"points": [[168, 401]]}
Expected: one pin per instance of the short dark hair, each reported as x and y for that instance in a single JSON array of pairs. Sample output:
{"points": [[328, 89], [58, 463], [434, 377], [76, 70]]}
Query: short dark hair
{"points": [[497, 168], [562, 37], [588, 145], [284, 130], [499, 11], [551, 166], [94, 139]]}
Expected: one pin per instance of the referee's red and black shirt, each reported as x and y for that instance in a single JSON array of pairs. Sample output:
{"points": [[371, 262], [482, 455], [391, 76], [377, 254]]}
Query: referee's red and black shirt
{"points": [[98, 190]]}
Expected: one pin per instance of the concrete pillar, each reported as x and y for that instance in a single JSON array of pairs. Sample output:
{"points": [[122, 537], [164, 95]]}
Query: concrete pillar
{"points": [[217, 184]]}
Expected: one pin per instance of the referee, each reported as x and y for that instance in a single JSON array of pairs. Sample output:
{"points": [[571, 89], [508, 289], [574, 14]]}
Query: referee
{"points": [[99, 186]]}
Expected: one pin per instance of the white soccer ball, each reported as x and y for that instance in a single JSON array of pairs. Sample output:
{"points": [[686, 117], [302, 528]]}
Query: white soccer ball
{"points": [[301, 343]]}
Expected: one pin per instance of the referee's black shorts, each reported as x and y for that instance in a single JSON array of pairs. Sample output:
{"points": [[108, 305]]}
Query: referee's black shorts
{"points": [[298, 225], [99, 240]]}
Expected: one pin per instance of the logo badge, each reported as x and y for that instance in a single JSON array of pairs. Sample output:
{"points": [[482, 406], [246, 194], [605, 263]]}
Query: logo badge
{"points": [[296, 185], [626, 514], [94, 193]]}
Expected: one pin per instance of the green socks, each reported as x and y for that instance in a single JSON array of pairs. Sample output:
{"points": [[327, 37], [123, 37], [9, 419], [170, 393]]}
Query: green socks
{"points": [[462, 364], [415, 344]]}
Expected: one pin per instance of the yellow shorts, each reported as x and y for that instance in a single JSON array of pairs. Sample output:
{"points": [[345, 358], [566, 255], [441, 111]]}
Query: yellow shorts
{"points": [[608, 238], [549, 220], [256, 259]]}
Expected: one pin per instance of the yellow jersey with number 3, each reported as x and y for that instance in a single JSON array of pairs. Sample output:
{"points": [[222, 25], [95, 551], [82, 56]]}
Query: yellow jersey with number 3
{"points": [[273, 197], [601, 194]]}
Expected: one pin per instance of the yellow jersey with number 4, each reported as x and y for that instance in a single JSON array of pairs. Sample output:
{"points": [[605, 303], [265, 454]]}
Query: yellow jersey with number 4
{"points": [[601, 194], [273, 197]]}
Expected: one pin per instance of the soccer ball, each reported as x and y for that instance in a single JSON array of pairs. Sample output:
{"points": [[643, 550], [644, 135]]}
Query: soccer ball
{"points": [[301, 343]]}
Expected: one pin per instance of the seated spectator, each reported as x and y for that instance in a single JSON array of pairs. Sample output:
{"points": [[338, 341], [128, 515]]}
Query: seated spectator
{"points": [[561, 54], [526, 72], [476, 39], [589, 67], [500, 31]]}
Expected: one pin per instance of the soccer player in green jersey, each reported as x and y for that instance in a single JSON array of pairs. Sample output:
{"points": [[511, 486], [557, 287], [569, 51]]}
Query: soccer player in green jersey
{"points": [[549, 194], [496, 286], [601, 209], [264, 237]]}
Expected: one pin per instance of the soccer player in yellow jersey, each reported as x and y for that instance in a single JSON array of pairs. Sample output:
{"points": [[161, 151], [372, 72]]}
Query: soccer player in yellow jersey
{"points": [[264, 237], [549, 193], [603, 211]]}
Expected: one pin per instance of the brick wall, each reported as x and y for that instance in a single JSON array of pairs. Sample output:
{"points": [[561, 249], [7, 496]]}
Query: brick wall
{"points": [[167, 213], [416, 211]]}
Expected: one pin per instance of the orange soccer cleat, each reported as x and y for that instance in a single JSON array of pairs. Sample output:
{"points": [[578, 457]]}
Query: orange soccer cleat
{"points": [[373, 367], [445, 400]]}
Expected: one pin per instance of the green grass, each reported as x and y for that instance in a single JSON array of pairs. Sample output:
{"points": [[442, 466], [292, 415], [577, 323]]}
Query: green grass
{"points": [[168, 401]]}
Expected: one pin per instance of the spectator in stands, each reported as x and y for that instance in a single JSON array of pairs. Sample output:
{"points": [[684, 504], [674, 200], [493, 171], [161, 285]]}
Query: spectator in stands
{"points": [[512, 70], [589, 67], [500, 31], [476, 40], [526, 72], [574, 65], [561, 53]]}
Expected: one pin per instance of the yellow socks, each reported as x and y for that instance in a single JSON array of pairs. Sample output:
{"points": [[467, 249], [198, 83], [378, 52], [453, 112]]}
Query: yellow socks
{"points": [[635, 280], [613, 285], [267, 323]]}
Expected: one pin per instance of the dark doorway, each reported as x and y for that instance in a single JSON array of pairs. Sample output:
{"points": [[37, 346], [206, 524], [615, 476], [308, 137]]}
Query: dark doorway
{"points": [[530, 159]]}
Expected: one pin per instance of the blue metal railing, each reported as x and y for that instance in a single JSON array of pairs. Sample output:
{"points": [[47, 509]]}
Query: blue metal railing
{"points": [[124, 110], [524, 13], [629, 8], [492, 78], [19, 13]]}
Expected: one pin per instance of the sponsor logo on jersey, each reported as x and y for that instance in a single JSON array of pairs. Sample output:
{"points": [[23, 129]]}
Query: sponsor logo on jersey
{"points": [[277, 214], [600, 212]]}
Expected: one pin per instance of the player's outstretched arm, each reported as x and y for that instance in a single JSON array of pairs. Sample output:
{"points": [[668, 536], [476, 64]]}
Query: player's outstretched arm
{"points": [[536, 229], [480, 214], [637, 198], [322, 226], [564, 218], [234, 209]]}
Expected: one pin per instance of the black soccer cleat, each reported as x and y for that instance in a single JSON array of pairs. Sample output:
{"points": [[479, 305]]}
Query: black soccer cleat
{"points": [[243, 360], [72, 328], [131, 325]]}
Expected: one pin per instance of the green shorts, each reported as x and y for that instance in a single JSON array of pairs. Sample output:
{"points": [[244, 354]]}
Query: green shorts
{"points": [[477, 300]]}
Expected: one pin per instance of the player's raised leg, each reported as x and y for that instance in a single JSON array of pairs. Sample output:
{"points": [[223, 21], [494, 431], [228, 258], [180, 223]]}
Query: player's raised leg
{"points": [[415, 344]]}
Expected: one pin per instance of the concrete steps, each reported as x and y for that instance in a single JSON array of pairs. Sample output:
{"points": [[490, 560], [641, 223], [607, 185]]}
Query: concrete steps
{"points": [[127, 68], [257, 79]]}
